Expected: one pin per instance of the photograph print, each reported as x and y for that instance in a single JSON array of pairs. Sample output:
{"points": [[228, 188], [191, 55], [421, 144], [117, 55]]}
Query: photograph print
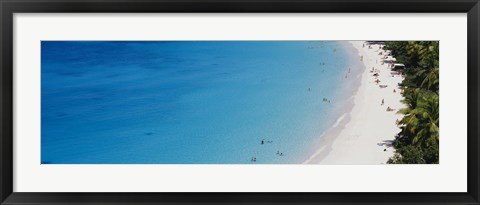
{"points": [[240, 102]]}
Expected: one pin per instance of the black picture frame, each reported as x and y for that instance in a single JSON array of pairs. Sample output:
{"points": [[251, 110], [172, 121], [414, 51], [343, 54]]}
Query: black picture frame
{"points": [[9, 7]]}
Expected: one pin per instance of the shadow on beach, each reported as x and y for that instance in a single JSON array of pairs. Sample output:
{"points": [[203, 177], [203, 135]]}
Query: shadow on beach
{"points": [[387, 143]]}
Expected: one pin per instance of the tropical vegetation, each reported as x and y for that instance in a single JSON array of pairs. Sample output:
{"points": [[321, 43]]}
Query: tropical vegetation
{"points": [[418, 140]]}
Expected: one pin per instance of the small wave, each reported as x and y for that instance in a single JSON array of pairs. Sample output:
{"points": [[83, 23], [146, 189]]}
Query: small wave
{"points": [[339, 120]]}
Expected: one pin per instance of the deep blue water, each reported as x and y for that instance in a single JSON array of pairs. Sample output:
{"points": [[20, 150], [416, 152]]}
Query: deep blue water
{"points": [[190, 102]]}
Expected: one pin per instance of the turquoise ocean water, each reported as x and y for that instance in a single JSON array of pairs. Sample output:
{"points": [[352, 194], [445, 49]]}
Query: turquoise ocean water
{"points": [[191, 102]]}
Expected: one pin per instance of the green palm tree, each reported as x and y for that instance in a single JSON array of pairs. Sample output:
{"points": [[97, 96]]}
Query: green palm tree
{"points": [[431, 80], [427, 113], [416, 48], [430, 59], [410, 119], [416, 52]]}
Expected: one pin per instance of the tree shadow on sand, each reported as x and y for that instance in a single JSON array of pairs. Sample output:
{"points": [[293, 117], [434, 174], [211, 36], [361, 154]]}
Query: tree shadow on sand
{"points": [[387, 143]]}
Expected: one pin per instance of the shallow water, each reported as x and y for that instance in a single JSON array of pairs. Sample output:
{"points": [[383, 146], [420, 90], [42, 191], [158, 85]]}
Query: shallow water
{"points": [[191, 102]]}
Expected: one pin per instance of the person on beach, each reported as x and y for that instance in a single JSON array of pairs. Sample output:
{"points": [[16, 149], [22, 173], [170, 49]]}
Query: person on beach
{"points": [[394, 91], [383, 101]]}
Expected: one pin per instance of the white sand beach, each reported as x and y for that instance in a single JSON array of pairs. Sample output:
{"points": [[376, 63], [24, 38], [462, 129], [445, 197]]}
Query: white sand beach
{"points": [[364, 135]]}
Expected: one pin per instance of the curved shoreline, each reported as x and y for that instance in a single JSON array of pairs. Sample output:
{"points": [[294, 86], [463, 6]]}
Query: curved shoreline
{"points": [[365, 130], [329, 135]]}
